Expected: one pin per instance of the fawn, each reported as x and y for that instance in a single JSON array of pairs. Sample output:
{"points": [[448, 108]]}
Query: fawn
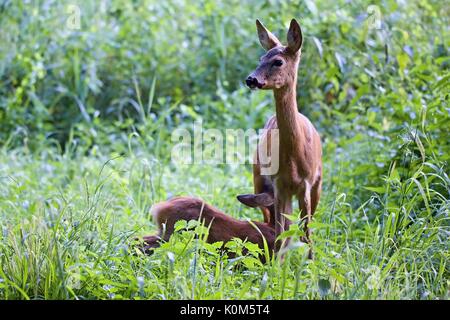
{"points": [[222, 227], [300, 152]]}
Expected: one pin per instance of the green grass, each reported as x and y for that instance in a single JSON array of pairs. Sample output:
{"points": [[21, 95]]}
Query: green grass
{"points": [[86, 118], [67, 224]]}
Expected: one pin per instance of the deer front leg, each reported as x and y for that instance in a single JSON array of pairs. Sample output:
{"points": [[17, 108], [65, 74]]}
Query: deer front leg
{"points": [[305, 205], [283, 205]]}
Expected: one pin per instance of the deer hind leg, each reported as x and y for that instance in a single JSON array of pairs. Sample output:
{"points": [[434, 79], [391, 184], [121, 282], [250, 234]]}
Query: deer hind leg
{"points": [[306, 215], [315, 195]]}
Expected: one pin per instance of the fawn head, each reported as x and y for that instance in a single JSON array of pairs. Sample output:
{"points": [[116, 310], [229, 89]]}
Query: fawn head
{"points": [[278, 66]]}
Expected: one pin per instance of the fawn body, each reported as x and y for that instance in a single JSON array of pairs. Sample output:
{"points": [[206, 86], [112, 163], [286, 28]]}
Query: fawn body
{"points": [[222, 227]]}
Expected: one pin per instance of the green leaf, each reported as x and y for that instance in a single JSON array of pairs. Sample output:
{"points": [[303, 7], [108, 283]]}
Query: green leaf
{"points": [[403, 60], [324, 287], [376, 189], [180, 224]]}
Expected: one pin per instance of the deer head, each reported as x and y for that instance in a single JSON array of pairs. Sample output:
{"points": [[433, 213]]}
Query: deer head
{"points": [[278, 66]]}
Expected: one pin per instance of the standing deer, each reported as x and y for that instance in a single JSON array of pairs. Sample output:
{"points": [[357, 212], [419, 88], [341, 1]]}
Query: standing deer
{"points": [[222, 227], [300, 152]]}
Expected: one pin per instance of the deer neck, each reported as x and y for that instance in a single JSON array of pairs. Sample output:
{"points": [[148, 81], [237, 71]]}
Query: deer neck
{"points": [[286, 112]]}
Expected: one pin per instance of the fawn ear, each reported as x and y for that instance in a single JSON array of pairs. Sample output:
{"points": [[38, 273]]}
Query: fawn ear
{"points": [[256, 200], [266, 38], [294, 37]]}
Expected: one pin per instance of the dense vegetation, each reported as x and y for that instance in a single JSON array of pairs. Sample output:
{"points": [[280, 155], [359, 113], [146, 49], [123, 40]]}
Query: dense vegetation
{"points": [[85, 140]]}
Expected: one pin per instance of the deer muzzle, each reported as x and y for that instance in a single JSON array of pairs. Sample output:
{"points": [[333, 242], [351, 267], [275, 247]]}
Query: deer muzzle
{"points": [[253, 82]]}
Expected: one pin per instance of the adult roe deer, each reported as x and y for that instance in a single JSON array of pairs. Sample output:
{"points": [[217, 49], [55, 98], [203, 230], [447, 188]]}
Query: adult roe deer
{"points": [[300, 152], [222, 227]]}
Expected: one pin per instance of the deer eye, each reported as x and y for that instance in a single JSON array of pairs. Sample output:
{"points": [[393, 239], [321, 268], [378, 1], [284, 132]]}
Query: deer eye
{"points": [[278, 63]]}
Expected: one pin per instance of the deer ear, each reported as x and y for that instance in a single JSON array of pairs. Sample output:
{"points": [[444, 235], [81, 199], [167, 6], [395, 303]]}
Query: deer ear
{"points": [[266, 38], [256, 200], [294, 36]]}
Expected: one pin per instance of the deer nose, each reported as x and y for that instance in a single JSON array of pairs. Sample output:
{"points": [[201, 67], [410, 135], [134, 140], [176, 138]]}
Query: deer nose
{"points": [[253, 82]]}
